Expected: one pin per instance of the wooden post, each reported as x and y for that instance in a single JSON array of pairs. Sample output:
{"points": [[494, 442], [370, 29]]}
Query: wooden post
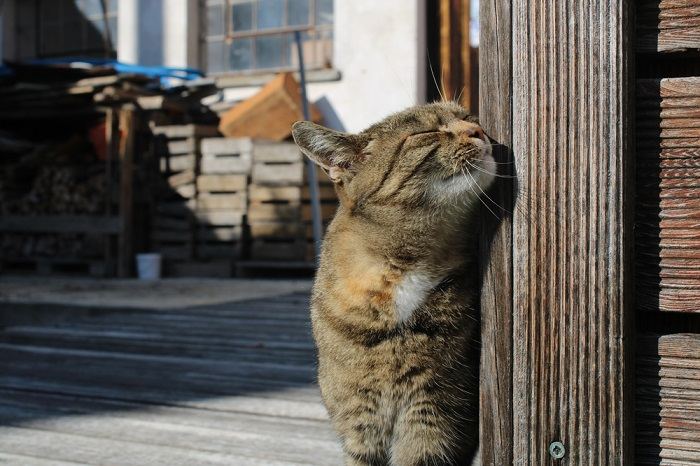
{"points": [[127, 127], [570, 116], [455, 52], [495, 249], [112, 145]]}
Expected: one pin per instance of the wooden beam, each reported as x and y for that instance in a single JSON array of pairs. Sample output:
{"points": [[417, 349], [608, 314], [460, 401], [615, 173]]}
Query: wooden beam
{"points": [[572, 230], [455, 51], [556, 314], [495, 248], [127, 127]]}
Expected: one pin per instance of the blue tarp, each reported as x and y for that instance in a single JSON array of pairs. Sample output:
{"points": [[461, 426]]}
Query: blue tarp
{"points": [[164, 73]]}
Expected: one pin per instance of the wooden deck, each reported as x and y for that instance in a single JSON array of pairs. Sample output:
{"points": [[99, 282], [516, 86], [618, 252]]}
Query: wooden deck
{"points": [[227, 384]]}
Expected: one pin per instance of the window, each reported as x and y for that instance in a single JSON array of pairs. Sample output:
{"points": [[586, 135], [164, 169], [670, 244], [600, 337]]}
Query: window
{"points": [[77, 27], [246, 36]]}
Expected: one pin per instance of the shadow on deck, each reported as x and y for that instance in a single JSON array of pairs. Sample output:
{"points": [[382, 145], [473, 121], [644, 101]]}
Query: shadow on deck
{"points": [[221, 384]]}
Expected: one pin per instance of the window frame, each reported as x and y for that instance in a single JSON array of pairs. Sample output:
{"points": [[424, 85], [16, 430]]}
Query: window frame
{"points": [[229, 35]]}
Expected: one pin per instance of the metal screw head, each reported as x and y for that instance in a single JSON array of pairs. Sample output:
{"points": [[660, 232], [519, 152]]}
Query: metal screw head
{"points": [[557, 450]]}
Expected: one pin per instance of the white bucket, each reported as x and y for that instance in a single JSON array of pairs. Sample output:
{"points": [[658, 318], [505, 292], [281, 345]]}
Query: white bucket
{"points": [[148, 266]]}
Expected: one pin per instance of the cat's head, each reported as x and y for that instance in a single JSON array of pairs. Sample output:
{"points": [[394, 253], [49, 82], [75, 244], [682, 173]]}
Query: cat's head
{"points": [[427, 156]]}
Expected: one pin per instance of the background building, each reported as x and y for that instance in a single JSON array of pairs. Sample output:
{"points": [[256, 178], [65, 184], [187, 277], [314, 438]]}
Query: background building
{"points": [[353, 80]]}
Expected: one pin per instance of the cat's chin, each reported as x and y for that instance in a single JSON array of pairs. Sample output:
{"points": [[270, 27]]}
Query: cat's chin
{"points": [[470, 183]]}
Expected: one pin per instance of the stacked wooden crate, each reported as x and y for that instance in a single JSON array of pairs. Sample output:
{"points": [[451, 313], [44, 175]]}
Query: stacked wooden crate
{"points": [[221, 201], [279, 212], [172, 233]]}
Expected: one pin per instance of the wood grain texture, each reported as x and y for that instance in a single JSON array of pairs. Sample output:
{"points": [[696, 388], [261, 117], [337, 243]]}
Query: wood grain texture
{"points": [[572, 228], [668, 399], [668, 25], [495, 244], [668, 199]]}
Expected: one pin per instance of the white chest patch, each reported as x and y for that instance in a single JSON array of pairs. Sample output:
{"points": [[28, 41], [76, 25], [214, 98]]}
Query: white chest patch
{"points": [[411, 292]]}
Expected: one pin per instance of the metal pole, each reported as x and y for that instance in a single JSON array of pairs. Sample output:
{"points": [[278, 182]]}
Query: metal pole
{"points": [[310, 166]]}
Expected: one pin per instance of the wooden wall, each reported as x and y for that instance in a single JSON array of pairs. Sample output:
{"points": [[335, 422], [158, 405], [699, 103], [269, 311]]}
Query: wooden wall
{"points": [[667, 236], [556, 305]]}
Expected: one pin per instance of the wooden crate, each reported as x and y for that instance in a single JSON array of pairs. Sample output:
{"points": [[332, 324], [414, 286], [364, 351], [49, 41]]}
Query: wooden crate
{"points": [[219, 249], [178, 163], [185, 131], [667, 229], [264, 212], [220, 217], [290, 194], [206, 233], [222, 201], [282, 250], [222, 183], [270, 113], [668, 399], [219, 268], [223, 155], [183, 146], [183, 178], [285, 174]]}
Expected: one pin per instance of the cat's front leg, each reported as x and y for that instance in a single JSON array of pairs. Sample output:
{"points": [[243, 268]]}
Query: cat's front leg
{"points": [[364, 443], [424, 435]]}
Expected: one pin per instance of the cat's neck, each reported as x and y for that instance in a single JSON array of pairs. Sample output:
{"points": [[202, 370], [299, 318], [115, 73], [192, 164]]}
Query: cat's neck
{"points": [[391, 269]]}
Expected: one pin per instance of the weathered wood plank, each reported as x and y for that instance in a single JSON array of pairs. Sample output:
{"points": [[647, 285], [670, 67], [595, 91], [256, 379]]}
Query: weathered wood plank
{"points": [[668, 398], [69, 447], [668, 26], [495, 243], [572, 119]]}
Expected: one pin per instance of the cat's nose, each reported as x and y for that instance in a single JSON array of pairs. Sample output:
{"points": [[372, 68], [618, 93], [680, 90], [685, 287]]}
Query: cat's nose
{"points": [[464, 129]]}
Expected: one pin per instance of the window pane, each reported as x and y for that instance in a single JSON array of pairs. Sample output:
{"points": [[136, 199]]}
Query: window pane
{"points": [[325, 48], [215, 20], [270, 14], [113, 31], [298, 12], [89, 8], [269, 51], [113, 6], [215, 56], [240, 55], [324, 11], [242, 16]]}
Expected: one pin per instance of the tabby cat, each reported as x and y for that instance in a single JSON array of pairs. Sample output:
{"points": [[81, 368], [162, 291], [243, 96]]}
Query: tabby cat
{"points": [[393, 302]]}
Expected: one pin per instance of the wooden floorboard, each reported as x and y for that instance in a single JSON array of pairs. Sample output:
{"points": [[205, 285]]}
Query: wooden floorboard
{"points": [[219, 384]]}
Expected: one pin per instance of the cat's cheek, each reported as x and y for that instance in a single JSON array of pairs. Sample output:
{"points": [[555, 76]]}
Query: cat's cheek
{"points": [[489, 170]]}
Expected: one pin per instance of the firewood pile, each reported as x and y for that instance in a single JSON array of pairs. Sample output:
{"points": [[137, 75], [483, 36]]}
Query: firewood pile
{"points": [[50, 180], [61, 187]]}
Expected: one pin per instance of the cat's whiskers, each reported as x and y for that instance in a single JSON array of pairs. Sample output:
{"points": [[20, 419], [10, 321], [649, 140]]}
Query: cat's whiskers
{"points": [[476, 167], [437, 86], [467, 173]]}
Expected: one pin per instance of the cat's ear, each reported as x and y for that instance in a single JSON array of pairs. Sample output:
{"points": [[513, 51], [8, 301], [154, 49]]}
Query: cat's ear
{"points": [[336, 152]]}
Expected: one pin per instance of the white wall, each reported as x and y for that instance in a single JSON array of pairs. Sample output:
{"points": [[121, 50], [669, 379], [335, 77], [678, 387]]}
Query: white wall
{"points": [[158, 32], [379, 49]]}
